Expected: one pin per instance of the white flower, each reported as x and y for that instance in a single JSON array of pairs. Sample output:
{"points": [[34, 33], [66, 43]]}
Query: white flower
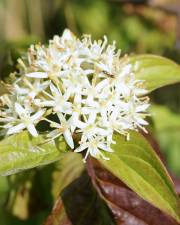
{"points": [[93, 147], [58, 101], [61, 128], [25, 121], [81, 88]]}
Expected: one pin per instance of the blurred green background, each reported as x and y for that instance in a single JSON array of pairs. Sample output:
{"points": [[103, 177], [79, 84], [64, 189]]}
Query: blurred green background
{"points": [[137, 28]]}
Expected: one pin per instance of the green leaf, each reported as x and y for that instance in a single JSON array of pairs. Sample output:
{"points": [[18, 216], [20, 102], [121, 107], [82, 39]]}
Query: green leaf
{"points": [[137, 165], [83, 204], [20, 151], [156, 71]]}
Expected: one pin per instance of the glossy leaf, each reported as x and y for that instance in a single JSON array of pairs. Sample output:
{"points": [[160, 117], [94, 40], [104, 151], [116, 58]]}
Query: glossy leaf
{"points": [[137, 165], [126, 206], [156, 71], [80, 204], [20, 151], [71, 187]]}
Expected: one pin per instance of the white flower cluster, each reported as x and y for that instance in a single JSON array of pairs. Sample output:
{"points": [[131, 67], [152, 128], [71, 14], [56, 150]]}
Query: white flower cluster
{"points": [[80, 87]]}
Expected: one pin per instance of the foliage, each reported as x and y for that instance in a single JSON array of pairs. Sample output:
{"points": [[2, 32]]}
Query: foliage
{"points": [[20, 152], [107, 193], [156, 71], [134, 162]]}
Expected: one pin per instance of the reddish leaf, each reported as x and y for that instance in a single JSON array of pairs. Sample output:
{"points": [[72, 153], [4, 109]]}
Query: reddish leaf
{"points": [[127, 207], [58, 215], [79, 204], [177, 185]]}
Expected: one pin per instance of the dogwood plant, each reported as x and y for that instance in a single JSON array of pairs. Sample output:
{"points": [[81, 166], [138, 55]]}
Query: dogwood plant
{"points": [[85, 84], [80, 94]]}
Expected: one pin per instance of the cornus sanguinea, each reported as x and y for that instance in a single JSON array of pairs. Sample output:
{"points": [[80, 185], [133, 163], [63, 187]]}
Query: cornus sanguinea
{"points": [[80, 87]]}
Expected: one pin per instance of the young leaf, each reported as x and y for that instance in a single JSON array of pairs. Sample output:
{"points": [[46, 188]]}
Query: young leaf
{"points": [[20, 151], [156, 71], [137, 165]]}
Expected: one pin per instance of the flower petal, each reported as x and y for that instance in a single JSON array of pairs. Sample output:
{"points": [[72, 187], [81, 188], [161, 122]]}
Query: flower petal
{"points": [[16, 129], [81, 148], [32, 130], [19, 109], [68, 137], [37, 115], [37, 75]]}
